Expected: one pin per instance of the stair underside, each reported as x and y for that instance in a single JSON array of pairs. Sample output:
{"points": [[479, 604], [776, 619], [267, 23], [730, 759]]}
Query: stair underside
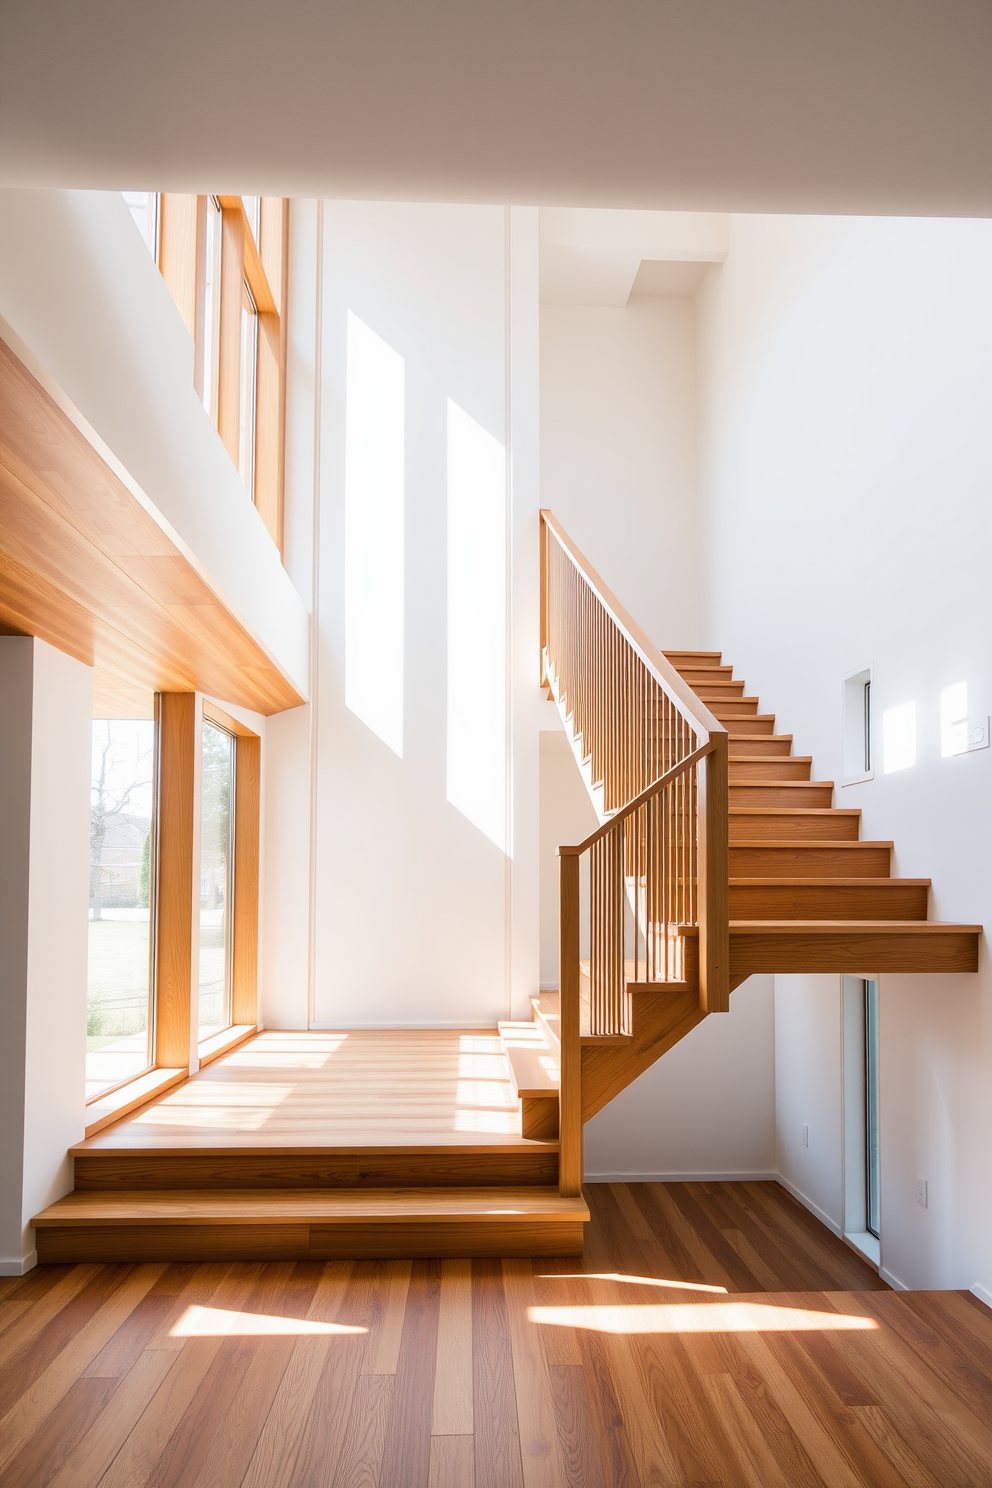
{"points": [[315, 1224]]}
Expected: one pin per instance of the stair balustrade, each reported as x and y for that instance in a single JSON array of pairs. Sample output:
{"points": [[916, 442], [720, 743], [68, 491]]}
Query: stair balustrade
{"points": [[656, 763]]}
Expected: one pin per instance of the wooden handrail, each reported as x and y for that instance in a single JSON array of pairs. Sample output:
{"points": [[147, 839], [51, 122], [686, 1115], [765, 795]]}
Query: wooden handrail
{"points": [[692, 708], [657, 763]]}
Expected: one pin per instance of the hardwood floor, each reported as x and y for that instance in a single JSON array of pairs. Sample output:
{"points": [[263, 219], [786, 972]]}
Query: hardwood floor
{"points": [[713, 1334]]}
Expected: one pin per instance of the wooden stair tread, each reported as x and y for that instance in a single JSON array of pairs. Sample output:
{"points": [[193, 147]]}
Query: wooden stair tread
{"points": [[797, 843], [916, 883], [533, 1067], [309, 1206], [840, 927]]}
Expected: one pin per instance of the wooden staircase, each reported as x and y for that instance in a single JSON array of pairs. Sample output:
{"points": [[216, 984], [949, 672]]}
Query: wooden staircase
{"points": [[718, 856]]}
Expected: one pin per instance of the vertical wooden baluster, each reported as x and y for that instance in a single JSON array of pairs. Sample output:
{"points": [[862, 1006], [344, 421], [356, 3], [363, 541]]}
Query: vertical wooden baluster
{"points": [[570, 1069]]}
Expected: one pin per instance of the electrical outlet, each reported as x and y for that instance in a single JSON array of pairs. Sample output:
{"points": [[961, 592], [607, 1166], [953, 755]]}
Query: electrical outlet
{"points": [[921, 1192], [805, 1135]]}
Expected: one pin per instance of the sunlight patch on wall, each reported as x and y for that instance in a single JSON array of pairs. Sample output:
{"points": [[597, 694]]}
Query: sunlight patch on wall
{"points": [[373, 534], [899, 738], [476, 767]]}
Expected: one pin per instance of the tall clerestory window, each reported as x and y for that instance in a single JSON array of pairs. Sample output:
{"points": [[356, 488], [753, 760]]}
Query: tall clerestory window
{"points": [[120, 985]]}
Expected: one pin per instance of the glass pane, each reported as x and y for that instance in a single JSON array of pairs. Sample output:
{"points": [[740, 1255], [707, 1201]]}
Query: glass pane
{"points": [[119, 986], [216, 879], [143, 206], [249, 364], [871, 1107], [211, 317]]}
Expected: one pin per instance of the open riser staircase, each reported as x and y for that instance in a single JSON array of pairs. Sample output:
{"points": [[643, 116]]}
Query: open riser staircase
{"points": [[717, 856]]}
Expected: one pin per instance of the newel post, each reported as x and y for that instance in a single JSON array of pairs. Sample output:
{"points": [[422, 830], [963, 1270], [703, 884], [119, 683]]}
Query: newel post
{"points": [[570, 1076], [713, 831]]}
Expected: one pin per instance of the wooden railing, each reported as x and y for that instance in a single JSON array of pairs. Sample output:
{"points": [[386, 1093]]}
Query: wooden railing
{"points": [[657, 867]]}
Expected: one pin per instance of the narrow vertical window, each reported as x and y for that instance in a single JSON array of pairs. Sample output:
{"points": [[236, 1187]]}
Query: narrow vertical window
{"points": [[119, 1021], [249, 381], [253, 212], [144, 208], [211, 312], [872, 1174], [216, 879]]}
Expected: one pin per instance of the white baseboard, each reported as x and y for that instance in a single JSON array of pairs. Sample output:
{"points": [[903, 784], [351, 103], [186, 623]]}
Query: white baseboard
{"points": [[18, 1265], [680, 1177], [814, 1209], [982, 1293], [892, 1280]]}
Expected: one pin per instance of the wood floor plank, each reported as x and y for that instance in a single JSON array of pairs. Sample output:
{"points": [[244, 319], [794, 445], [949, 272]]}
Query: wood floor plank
{"points": [[539, 1438], [453, 1414], [151, 1430], [361, 1461], [452, 1462], [44, 1453], [496, 1436], [407, 1452], [578, 1448], [386, 1331]]}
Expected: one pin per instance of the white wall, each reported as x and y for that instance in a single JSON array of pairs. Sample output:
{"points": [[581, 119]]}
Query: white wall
{"points": [[845, 381], [618, 451], [45, 730], [100, 329], [809, 1093]]}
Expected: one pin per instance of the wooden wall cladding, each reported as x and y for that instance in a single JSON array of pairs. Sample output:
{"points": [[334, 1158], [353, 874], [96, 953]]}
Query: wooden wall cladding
{"points": [[85, 567]]}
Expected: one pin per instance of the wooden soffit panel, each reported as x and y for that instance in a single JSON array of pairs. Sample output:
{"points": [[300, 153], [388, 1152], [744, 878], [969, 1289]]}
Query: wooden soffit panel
{"points": [[85, 566]]}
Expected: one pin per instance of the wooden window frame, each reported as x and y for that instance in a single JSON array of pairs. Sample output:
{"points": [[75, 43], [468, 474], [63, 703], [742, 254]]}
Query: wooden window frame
{"points": [[264, 267], [175, 1052]]}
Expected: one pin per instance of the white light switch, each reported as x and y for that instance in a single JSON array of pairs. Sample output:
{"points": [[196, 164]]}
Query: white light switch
{"points": [[921, 1192]]}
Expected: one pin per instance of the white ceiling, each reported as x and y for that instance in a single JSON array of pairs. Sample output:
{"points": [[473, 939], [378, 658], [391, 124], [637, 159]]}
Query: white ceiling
{"points": [[710, 105]]}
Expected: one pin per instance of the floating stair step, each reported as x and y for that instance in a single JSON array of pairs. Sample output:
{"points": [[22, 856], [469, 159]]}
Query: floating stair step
{"points": [[788, 793], [710, 676], [769, 767], [729, 709], [749, 725], [534, 1076], [547, 1013], [722, 687], [309, 1224], [810, 859], [752, 745], [861, 946], [756, 824], [829, 898], [690, 659]]}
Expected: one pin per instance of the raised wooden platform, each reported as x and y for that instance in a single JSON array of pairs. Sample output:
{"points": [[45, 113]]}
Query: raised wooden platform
{"points": [[303, 1146]]}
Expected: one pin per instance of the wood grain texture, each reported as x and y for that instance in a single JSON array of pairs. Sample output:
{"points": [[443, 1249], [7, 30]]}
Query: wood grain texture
{"points": [[177, 252], [85, 566], [174, 880], [104, 1384], [569, 1051]]}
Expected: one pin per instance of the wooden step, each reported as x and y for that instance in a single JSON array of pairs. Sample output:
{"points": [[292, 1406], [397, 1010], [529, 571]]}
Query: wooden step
{"points": [[787, 793], [725, 687], [862, 947], [748, 726], [547, 1013], [534, 1076], [730, 709], [419, 1166], [757, 824], [314, 1224], [770, 767], [810, 859], [829, 898], [680, 659], [764, 744], [709, 676]]}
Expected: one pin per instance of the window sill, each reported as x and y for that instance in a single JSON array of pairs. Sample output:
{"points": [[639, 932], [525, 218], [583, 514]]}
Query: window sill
{"points": [[224, 1042], [106, 1109], [866, 1244]]}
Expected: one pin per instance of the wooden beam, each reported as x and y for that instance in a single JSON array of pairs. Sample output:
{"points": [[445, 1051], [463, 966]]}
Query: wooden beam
{"points": [[714, 878], [175, 877], [570, 1095]]}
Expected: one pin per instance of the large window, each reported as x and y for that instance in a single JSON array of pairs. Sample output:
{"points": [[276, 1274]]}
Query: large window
{"points": [[119, 1021], [216, 879]]}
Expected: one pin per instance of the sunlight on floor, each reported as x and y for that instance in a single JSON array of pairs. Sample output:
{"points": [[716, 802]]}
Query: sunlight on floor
{"points": [[706, 1317], [217, 1322], [227, 1106], [468, 1120], [680, 1286]]}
